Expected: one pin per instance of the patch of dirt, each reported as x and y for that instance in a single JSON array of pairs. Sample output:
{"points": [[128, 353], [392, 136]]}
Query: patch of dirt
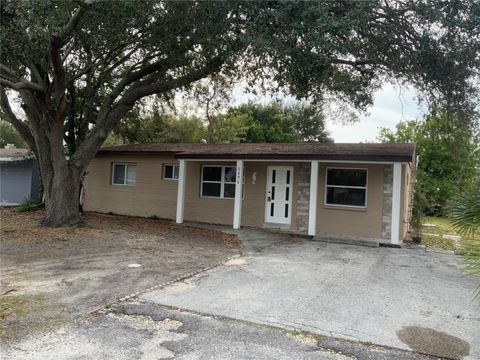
{"points": [[292, 239], [61, 273], [433, 342], [26, 226]]}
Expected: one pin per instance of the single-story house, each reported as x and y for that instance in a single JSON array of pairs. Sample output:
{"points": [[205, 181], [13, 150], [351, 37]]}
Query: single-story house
{"points": [[359, 191], [19, 177]]}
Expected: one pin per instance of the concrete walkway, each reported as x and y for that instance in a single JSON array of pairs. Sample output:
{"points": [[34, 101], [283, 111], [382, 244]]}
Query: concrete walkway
{"points": [[404, 298]]}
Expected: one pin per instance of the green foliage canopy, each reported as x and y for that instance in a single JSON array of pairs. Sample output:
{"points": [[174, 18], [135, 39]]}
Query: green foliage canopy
{"points": [[449, 156], [274, 123], [8, 135], [253, 123]]}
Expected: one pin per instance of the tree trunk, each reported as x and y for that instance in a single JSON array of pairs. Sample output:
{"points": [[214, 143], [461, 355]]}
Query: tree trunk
{"points": [[62, 196]]}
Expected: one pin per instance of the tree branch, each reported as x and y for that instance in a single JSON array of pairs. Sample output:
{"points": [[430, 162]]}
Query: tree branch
{"points": [[8, 71], [72, 23], [143, 88], [22, 85], [10, 117]]}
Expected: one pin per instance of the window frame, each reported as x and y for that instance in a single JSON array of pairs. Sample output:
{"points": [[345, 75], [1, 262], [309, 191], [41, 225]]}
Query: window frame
{"points": [[222, 182], [173, 171], [126, 164], [325, 203]]}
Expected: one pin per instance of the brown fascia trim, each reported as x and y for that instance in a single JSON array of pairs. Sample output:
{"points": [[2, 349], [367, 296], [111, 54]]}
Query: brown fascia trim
{"points": [[233, 157], [134, 152]]}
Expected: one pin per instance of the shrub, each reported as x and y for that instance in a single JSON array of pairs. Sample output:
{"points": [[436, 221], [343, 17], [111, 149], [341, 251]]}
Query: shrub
{"points": [[418, 211], [26, 205]]}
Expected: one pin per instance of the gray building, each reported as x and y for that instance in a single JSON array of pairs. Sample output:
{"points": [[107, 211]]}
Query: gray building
{"points": [[19, 178]]}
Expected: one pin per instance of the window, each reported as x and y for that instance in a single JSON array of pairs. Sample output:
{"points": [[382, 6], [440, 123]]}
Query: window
{"points": [[124, 174], [218, 181], [170, 172], [346, 187]]}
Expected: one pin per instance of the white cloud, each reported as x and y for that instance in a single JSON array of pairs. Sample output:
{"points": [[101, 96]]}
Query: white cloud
{"points": [[392, 104]]}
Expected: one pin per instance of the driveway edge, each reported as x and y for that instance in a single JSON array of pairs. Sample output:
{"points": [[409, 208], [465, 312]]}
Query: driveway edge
{"points": [[108, 307]]}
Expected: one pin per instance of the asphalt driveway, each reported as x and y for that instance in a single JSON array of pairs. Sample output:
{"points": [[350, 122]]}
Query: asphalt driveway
{"points": [[404, 298]]}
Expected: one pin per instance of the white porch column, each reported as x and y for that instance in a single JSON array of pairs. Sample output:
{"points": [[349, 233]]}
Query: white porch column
{"points": [[237, 210], [312, 205], [396, 200], [182, 171]]}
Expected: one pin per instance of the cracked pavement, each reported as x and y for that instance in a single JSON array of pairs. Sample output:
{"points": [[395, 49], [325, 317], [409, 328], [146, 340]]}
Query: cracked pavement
{"points": [[349, 292], [285, 300], [138, 330]]}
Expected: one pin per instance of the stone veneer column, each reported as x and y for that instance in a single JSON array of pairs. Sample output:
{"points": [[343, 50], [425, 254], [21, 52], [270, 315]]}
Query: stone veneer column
{"points": [[387, 202], [303, 196]]}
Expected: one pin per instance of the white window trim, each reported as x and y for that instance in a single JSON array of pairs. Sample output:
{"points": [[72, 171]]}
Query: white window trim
{"points": [[173, 173], [221, 182], [124, 175], [325, 203]]}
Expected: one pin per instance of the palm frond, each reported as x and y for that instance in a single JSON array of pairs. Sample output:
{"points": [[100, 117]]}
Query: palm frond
{"points": [[465, 215], [465, 212]]}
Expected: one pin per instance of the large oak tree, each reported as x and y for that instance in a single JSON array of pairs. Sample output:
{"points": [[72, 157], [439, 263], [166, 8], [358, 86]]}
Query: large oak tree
{"points": [[78, 67]]}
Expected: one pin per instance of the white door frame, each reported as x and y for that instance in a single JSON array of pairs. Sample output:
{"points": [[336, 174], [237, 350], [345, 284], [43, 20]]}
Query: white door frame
{"points": [[288, 220]]}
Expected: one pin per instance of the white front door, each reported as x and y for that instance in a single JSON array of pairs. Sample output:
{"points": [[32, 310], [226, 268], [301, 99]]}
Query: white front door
{"points": [[278, 207]]}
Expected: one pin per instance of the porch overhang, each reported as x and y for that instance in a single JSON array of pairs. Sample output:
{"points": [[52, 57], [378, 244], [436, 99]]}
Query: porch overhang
{"points": [[313, 187]]}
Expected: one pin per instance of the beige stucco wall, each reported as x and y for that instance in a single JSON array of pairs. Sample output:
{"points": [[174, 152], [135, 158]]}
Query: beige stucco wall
{"points": [[352, 221], [220, 211], [150, 196], [153, 196]]}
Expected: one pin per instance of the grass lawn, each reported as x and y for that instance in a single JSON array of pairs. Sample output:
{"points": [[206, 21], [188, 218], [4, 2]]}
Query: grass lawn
{"points": [[443, 226]]}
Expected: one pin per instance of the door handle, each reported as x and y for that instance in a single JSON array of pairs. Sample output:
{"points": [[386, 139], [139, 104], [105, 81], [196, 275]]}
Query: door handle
{"points": [[269, 199]]}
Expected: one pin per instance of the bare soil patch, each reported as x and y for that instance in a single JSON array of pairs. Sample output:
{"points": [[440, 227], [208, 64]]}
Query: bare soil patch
{"points": [[50, 276]]}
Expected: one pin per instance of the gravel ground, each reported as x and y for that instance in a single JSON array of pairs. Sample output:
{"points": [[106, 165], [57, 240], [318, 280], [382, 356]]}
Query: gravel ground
{"points": [[51, 276]]}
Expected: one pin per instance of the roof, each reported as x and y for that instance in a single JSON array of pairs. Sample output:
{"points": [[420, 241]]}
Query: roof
{"points": [[13, 154], [298, 151]]}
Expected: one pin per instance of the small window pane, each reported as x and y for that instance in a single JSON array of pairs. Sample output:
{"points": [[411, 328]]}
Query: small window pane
{"points": [[211, 189], [230, 174], [287, 194], [271, 209], [347, 177], [288, 176], [229, 190], [274, 173], [176, 170], [168, 172], [212, 173], [273, 192], [119, 174], [286, 210], [345, 196], [131, 174]]}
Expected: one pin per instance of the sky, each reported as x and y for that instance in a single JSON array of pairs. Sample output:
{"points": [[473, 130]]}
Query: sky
{"points": [[392, 104]]}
